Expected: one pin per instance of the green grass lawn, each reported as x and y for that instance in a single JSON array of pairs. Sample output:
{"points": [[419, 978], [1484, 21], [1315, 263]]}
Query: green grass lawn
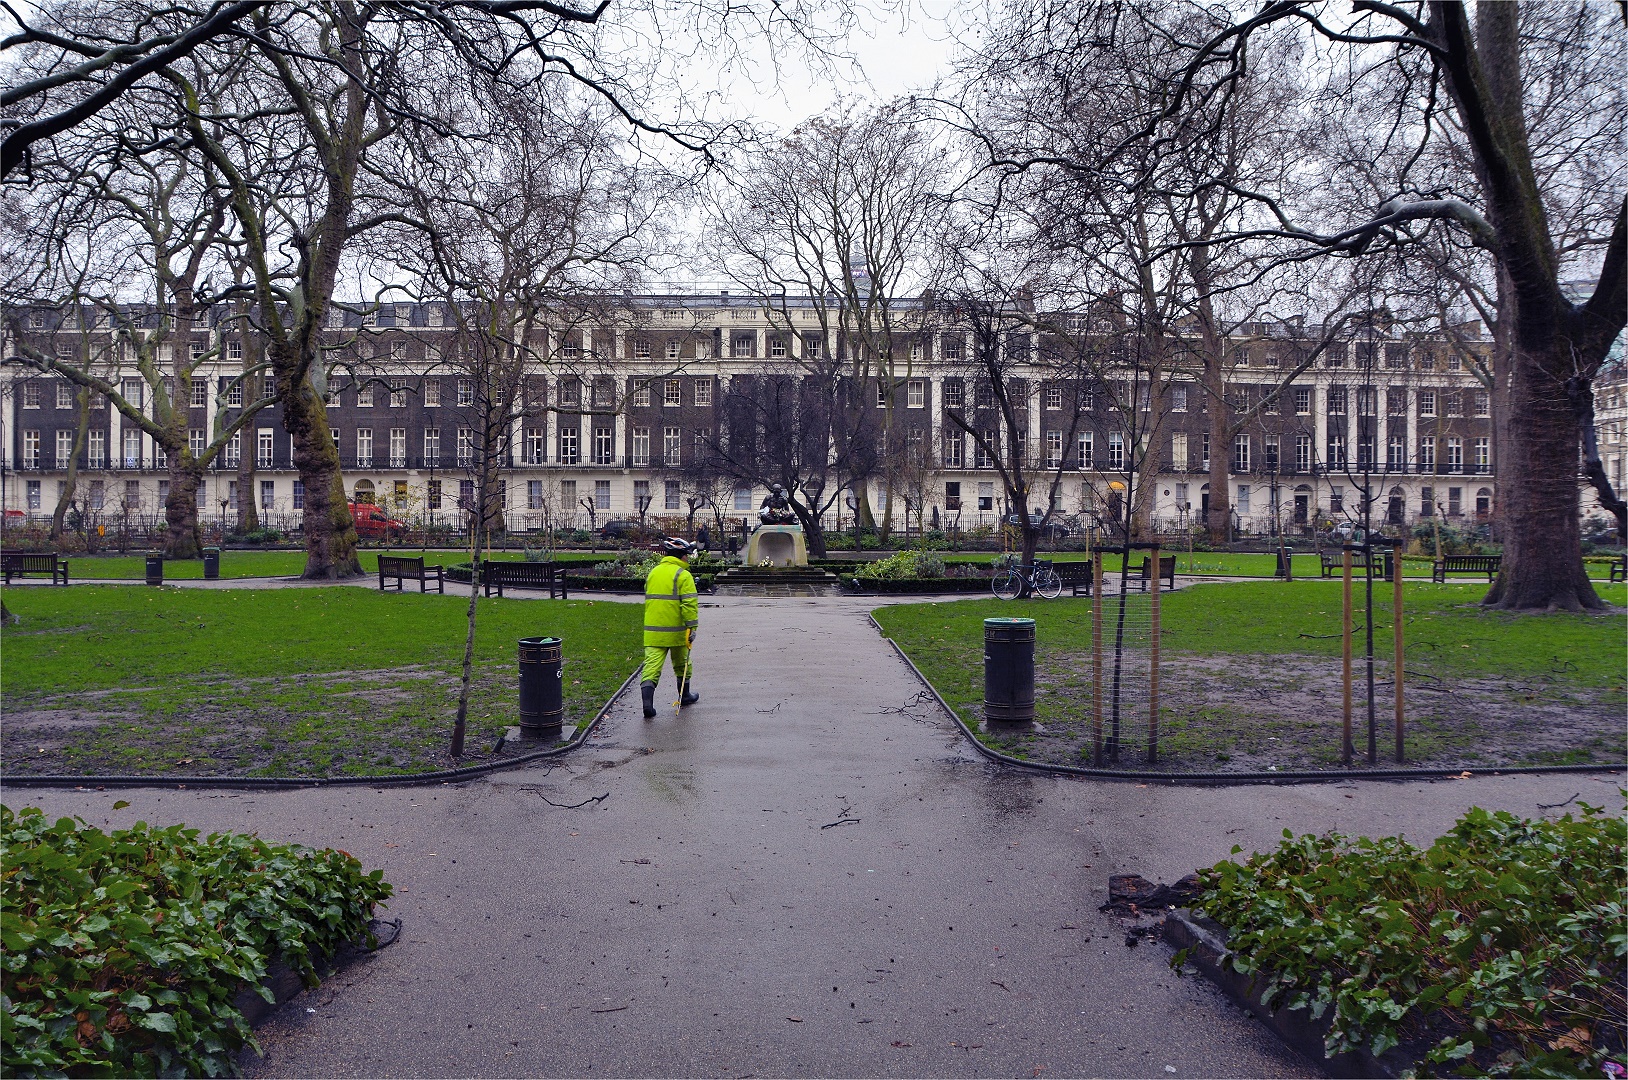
{"points": [[250, 564], [1250, 665], [1239, 564], [279, 682]]}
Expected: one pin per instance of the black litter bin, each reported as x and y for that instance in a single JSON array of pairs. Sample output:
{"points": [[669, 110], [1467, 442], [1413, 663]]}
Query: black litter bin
{"points": [[1009, 670], [542, 701], [211, 563], [155, 568]]}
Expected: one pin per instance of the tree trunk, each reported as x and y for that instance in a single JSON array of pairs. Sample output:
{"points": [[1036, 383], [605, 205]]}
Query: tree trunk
{"points": [[1543, 565], [1220, 491], [182, 539], [330, 534], [70, 482]]}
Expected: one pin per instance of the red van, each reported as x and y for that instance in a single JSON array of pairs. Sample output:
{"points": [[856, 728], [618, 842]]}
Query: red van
{"points": [[372, 523]]}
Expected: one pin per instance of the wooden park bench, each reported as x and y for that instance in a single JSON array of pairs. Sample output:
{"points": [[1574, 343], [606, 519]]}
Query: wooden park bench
{"points": [[1334, 563], [1619, 567], [18, 563], [1465, 564], [523, 575], [404, 567], [1167, 572], [1075, 576]]}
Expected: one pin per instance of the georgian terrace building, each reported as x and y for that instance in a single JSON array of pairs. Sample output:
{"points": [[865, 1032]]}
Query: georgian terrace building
{"points": [[623, 406]]}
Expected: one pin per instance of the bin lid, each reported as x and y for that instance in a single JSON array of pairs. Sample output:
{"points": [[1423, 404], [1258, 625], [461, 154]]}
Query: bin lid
{"points": [[539, 641], [1000, 623]]}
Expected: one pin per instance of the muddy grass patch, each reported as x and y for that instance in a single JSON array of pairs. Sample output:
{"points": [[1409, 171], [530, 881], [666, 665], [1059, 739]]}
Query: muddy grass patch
{"points": [[1283, 713]]}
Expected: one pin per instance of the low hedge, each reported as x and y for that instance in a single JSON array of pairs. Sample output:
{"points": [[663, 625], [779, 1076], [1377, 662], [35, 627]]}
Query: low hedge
{"points": [[124, 950], [1500, 948], [916, 585]]}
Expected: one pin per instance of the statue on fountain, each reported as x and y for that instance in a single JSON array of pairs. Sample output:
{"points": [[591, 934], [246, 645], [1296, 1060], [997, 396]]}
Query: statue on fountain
{"points": [[776, 508]]}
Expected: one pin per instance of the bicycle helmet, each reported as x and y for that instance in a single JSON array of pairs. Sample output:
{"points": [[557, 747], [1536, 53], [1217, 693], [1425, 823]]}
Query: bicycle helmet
{"points": [[676, 546]]}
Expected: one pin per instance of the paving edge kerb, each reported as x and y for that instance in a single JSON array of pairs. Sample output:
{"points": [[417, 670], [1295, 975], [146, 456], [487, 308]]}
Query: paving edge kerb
{"points": [[440, 776], [1144, 776]]}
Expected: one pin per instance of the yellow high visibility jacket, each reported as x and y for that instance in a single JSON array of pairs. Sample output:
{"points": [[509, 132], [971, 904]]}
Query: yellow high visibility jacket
{"points": [[671, 605]]}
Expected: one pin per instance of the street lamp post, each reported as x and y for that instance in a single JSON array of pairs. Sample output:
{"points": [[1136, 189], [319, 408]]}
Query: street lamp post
{"points": [[223, 504]]}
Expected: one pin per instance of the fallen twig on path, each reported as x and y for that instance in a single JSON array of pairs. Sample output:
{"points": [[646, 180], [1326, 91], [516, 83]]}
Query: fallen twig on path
{"points": [[573, 806]]}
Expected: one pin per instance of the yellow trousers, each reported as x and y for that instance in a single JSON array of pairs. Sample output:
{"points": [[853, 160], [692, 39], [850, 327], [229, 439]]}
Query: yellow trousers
{"points": [[655, 656]]}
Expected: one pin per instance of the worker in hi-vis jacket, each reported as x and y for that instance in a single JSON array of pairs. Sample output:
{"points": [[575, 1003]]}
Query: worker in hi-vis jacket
{"points": [[671, 618]]}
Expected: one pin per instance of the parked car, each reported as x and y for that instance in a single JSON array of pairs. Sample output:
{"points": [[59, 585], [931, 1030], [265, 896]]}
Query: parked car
{"points": [[1050, 531], [373, 523]]}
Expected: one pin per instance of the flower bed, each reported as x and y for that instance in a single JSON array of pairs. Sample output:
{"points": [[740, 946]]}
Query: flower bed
{"points": [[1499, 948], [124, 950]]}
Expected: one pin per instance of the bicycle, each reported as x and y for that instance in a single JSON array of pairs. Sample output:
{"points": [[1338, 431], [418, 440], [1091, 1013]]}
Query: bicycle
{"points": [[1040, 579]]}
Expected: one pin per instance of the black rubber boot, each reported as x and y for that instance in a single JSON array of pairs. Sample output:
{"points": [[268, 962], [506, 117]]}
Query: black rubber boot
{"points": [[648, 692], [687, 696]]}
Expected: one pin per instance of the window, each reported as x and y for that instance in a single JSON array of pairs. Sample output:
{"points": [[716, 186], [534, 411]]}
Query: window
{"points": [[264, 448], [569, 451], [703, 392], [1336, 450], [1302, 453], [604, 394], [1302, 400], [1455, 454], [990, 439], [234, 350], [299, 495], [31, 449], [1455, 362], [131, 389], [571, 392], [604, 446], [1427, 454], [641, 349], [741, 345], [534, 494], [1054, 449], [64, 447], [466, 494], [1453, 401], [330, 397], [1396, 452], [641, 495], [398, 394], [234, 394], [954, 450], [984, 396], [1367, 404], [1272, 460], [163, 493], [432, 446], [1116, 451], [881, 393], [199, 392], [268, 494], [398, 448], [1455, 501], [1336, 401], [1365, 451], [536, 451], [952, 495], [955, 393], [671, 351], [672, 393], [1336, 354], [1240, 453], [1483, 454], [364, 448], [1480, 401], [811, 346], [464, 449], [98, 494], [1243, 498], [132, 448], [1086, 447], [671, 495], [1396, 401], [915, 394], [671, 439], [1336, 499], [743, 498], [986, 495], [432, 393], [571, 347], [97, 450], [1427, 403], [1182, 502], [777, 347], [952, 347], [1178, 450], [466, 391], [641, 446], [161, 460], [1204, 451], [1483, 502], [1054, 397], [1178, 399], [33, 494], [64, 394], [701, 443], [641, 395], [602, 494], [1396, 357]]}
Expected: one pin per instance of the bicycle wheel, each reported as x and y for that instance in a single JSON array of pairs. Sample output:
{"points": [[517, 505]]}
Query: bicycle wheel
{"points": [[1048, 584], [1007, 586]]}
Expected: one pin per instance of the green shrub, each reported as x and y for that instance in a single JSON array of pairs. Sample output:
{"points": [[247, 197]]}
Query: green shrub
{"points": [[123, 950], [905, 564], [1506, 934]]}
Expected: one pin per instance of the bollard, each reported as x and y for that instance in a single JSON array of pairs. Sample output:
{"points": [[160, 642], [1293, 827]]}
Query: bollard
{"points": [[542, 703], [211, 563], [1009, 670], [155, 568]]}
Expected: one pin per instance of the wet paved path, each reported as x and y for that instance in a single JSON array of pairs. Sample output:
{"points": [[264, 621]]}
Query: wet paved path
{"points": [[807, 874]]}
